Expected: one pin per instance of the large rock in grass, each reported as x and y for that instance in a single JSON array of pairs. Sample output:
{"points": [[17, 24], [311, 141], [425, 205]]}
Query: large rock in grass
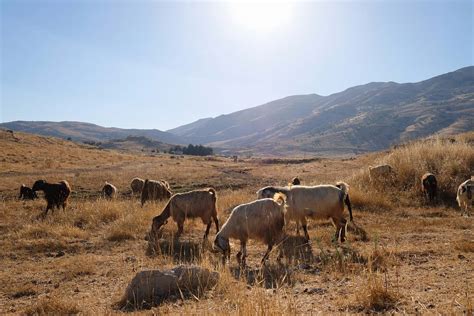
{"points": [[151, 287]]}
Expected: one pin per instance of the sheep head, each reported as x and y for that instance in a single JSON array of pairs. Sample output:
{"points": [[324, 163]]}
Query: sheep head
{"points": [[39, 185], [156, 226], [222, 244]]}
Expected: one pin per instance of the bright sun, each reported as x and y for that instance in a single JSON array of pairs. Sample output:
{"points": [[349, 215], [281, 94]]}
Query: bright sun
{"points": [[261, 16]]}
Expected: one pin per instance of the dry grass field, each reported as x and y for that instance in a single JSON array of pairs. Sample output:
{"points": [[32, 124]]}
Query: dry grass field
{"points": [[401, 255]]}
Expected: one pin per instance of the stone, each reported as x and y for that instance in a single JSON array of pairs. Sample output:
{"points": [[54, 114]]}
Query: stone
{"points": [[150, 288]]}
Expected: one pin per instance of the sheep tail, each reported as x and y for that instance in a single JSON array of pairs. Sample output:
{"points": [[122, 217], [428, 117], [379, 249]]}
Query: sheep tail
{"points": [[212, 192]]}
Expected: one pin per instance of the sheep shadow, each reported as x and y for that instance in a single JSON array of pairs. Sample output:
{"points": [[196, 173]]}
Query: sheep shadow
{"points": [[180, 251], [270, 276], [296, 249], [359, 232]]}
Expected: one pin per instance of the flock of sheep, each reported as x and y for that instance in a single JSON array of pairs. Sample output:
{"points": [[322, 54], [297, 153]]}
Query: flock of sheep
{"points": [[262, 219]]}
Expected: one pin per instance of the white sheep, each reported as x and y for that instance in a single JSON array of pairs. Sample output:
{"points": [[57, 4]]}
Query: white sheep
{"points": [[321, 201], [464, 196], [262, 219]]}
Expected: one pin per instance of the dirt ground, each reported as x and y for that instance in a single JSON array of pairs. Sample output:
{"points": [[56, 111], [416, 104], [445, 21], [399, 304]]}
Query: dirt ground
{"points": [[408, 259]]}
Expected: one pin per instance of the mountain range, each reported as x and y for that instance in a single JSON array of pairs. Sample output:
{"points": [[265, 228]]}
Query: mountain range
{"points": [[363, 118]]}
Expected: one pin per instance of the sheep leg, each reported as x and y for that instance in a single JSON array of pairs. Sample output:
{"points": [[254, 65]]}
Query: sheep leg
{"points": [[180, 228], [265, 257], [304, 223], [343, 229], [216, 221], [242, 254], [207, 229], [48, 207]]}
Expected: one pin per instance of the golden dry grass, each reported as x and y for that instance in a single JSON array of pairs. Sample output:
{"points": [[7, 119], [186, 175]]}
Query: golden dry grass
{"points": [[451, 162], [400, 255]]}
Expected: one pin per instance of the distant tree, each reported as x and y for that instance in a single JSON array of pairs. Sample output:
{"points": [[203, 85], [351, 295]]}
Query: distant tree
{"points": [[197, 150]]}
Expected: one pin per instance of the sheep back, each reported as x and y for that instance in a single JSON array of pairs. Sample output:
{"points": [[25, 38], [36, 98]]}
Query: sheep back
{"points": [[322, 201], [154, 190], [194, 204], [262, 219]]}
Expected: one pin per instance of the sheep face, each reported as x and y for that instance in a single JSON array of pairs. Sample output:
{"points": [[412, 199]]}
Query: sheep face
{"points": [[223, 245], [156, 227], [38, 185], [295, 181]]}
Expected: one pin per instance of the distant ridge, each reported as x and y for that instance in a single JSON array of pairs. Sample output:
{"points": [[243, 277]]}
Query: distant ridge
{"points": [[363, 118], [79, 131]]}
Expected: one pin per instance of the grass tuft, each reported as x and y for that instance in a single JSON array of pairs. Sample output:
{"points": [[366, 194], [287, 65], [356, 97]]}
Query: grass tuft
{"points": [[53, 306]]}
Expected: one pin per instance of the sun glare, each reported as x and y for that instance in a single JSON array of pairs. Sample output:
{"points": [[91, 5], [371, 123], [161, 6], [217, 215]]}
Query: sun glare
{"points": [[261, 16]]}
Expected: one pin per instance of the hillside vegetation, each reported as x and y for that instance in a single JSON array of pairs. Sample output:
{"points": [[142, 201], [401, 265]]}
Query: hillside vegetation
{"points": [[450, 159]]}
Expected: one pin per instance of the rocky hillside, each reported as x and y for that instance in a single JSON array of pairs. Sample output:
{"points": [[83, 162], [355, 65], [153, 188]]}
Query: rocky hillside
{"points": [[364, 118]]}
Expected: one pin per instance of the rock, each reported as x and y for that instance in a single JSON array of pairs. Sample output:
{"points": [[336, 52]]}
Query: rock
{"points": [[151, 287]]}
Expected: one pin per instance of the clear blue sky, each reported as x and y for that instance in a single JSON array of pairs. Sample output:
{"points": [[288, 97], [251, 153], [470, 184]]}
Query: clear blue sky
{"points": [[156, 64]]}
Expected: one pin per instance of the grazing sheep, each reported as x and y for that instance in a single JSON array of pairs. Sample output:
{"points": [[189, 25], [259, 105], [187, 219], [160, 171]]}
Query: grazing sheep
{"points": [[380, 172], [321, 201], [137, 186], [295, 181], [26, 193], [155, 191], [56, 194], [464, 196], [429, 186], [193, 204], [109, 190], [261, 219]]}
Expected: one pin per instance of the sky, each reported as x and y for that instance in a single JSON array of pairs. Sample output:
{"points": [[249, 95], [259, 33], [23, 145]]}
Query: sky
{"points": [[162, 64]]}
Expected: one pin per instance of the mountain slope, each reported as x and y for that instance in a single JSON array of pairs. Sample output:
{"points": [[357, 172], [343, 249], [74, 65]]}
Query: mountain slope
{"points": [[362, 118], [79, 131]]}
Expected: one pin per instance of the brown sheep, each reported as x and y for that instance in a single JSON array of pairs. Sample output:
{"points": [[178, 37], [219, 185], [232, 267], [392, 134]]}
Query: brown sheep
{"points": [[109, 190], [193, 204], [429, 186], [155, 191], [26, 193], [137, 186], [56, 194]]}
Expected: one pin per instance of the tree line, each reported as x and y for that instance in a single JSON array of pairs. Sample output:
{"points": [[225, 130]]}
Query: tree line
{"points": [[194, 150]]}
